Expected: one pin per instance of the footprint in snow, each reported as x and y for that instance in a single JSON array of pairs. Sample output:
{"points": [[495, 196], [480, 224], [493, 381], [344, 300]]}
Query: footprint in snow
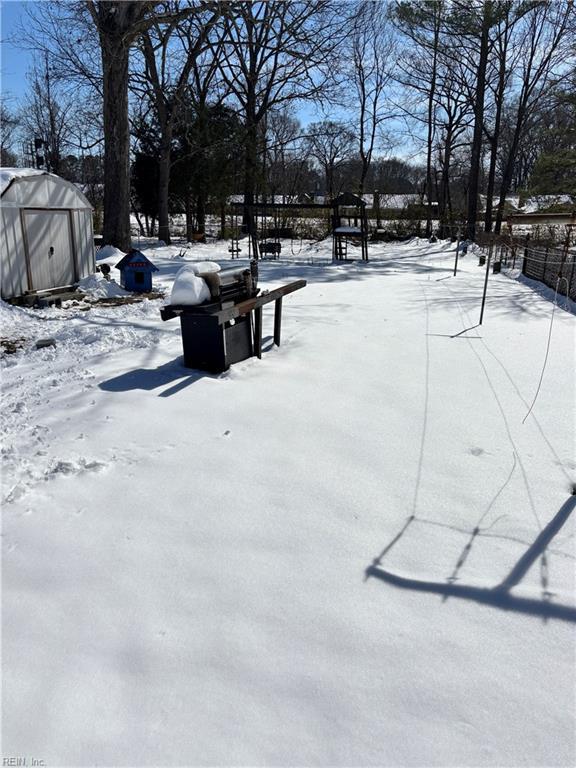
{"points": [[72, 468], [16, 493], [477, 451]]}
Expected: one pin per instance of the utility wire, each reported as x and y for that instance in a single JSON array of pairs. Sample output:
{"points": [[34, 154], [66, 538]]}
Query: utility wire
{"points": [[547, 351]]}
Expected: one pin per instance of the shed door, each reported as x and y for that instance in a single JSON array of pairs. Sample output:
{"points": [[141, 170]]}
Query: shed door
{"points": [[49, 240]]}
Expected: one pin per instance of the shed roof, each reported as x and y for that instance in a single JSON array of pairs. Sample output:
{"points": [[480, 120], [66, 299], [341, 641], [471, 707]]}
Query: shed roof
{"points": [[50, 187], [8, 175]]}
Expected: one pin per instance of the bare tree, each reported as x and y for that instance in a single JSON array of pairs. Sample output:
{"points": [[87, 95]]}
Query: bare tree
{"points": [[170, 47], [205, 96], [275, 52], [66, 29], [452, 119], [546, 38], [46, 116], [474, 24], [424, 25], [331, 144], [118, 25], [282, 165], [9, 124], [372, 61]]}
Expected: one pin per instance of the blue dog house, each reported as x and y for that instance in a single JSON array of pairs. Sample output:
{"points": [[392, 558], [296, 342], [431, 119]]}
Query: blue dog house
{"points": [[136, 272]]}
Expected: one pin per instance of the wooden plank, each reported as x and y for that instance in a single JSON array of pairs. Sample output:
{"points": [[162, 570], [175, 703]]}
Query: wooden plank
{"points": [[251, 304], [277, 321], [242, 308], [258, 332]]}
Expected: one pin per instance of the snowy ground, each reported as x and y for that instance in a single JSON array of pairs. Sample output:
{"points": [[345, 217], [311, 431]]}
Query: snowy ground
{"points": [[185, 556]]}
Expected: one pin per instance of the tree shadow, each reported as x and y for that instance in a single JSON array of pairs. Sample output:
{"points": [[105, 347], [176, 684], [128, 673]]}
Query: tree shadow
{"points": [[500, 595]]}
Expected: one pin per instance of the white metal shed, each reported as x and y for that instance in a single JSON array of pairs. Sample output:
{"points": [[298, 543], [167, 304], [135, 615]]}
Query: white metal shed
{"points": [[46, 237]]}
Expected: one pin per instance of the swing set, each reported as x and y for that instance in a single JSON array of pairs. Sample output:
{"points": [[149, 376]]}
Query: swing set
{"points": [[234, 247], [266, 241]]}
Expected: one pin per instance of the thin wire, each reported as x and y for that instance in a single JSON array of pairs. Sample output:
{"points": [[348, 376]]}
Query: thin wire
{"points": [[547, 262], [547, 352]]}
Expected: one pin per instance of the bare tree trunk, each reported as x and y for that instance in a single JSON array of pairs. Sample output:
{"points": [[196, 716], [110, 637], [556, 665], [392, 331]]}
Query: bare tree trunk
{"points": [[476, 153], [491, 184], [508, 172], [116, 229], [189, 217], [430, 138], [443, 194], [163, 189], [201, 213], [495, 137], [222, 220], [140, 225], [250, 173]]}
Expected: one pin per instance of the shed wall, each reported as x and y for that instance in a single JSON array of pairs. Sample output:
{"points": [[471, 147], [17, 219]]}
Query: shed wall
{"points": [[84, 242], [13, 272]]}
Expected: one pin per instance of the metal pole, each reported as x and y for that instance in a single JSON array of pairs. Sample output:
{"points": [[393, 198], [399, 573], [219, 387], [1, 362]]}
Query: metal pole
{"points": [[485, 285], [457, 250]]}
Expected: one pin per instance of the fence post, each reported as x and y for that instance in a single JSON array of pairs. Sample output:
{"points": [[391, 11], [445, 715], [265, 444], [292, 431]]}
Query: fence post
{"points": [[562, 262], [485, 286], [525, 261], [457, 251]]}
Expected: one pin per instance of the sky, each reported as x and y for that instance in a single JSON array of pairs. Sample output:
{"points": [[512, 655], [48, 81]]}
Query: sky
{"points": [[15, 59]]}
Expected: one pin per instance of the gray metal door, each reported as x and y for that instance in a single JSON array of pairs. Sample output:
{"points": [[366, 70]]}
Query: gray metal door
{"points": [[49, 241]]}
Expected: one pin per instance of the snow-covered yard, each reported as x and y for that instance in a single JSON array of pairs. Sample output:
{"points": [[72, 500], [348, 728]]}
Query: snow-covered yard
{"points": [[185, 556]]}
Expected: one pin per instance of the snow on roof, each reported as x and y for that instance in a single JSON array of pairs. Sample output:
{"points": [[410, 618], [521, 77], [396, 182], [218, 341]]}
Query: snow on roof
{"points": [[7, 175], [540, 202], [269, 199], [399, 200], [348, 231]]}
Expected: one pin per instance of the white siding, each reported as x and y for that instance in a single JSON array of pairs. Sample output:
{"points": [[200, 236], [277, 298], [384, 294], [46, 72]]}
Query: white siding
{"points": [[50, 251], [84, 240], [13, 273]]}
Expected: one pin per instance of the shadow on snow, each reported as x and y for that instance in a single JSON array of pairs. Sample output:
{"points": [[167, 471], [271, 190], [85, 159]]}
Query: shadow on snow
{"points": [[148, 379], [498, 596]]}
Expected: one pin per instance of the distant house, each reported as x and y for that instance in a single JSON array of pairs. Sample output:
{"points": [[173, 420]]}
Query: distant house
{"points": [[46, 238]]}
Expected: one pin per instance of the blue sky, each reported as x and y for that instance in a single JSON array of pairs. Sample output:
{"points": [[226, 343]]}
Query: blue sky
{"points": [[15, 60]]}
